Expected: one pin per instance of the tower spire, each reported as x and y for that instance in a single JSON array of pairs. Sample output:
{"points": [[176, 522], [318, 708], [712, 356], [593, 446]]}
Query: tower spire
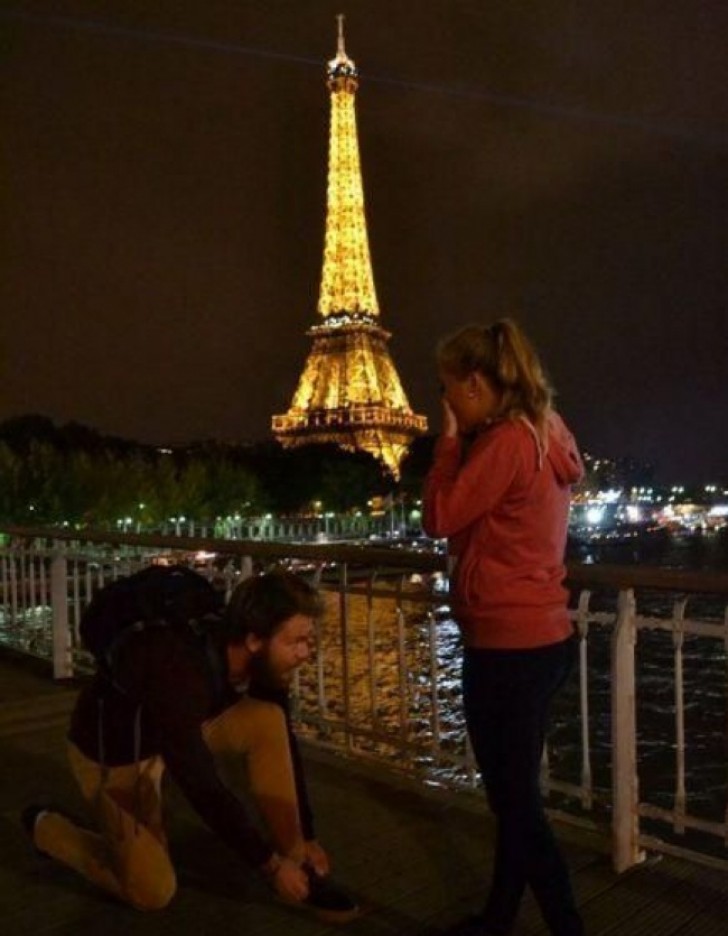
{"points": [[341, 50], [341, 66], [349, 392]]}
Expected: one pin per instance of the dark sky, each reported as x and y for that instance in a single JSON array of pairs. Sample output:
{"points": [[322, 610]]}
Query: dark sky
{"points": [[162, 192]]}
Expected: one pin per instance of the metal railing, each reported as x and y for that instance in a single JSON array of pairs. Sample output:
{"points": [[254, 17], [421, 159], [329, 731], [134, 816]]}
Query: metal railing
{"points": [[638, 745]]}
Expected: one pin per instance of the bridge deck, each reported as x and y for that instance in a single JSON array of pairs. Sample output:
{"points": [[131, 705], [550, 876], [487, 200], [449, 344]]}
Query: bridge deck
{"points": [[416, 863]]}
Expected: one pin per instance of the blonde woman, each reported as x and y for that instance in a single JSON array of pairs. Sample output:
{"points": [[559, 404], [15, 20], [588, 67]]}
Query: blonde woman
{"points": [[499, 490]]}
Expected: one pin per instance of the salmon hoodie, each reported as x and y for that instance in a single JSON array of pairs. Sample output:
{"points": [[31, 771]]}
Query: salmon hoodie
{"points": [[504, 509]]}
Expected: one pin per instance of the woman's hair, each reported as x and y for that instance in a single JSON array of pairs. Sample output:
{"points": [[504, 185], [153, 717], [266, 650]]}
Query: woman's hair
{"points": [[261, 604], [503, 354]]}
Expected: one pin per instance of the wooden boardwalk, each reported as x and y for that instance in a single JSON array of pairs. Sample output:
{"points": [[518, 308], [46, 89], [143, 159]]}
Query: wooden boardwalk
{"points": [[417, 863]]}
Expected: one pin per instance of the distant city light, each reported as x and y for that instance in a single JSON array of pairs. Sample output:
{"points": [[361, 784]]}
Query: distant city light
{"points": [[595, 515]]}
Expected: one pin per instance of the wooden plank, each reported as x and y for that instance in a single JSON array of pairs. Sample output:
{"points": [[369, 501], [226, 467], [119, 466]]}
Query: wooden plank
{"points": [[417, 863]]}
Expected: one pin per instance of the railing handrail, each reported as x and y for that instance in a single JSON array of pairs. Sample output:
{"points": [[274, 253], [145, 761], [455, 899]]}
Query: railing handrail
{"points": [[578, 575], [258, 549], [658, 578]]}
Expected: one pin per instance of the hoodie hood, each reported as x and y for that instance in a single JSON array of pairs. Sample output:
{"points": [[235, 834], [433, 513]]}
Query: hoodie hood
{"points": [[563, 453]]}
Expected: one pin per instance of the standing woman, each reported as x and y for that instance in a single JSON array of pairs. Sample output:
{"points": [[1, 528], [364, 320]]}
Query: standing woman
{"points": [[499, 490]]}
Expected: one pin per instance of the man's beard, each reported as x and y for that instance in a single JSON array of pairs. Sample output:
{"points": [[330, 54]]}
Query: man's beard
{"points": [[263, 674]]}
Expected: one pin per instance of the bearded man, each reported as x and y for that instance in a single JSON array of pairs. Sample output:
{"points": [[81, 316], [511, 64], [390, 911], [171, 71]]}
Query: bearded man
{"points": [[182, 702]]}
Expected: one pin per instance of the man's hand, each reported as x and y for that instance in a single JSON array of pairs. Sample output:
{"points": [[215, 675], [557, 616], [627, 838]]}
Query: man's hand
{"points": [[317, 858], [289, 880]]}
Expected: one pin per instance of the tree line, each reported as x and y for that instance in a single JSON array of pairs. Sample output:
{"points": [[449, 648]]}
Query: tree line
{"points": [[55, 474]]}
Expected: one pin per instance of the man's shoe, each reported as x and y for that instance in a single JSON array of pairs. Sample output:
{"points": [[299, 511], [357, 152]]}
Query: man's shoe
{"points": [[28, 818], [328, 901]]}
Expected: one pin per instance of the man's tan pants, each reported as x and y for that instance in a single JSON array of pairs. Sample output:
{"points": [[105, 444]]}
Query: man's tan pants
{"points": [[129, 857]]}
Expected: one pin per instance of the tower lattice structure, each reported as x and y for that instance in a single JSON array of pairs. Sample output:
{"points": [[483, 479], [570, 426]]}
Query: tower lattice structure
{"points": [[349, 392]]}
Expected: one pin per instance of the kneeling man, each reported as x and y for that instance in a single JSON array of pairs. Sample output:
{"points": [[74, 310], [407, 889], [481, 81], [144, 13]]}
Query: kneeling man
{"points": [[178, 700]]}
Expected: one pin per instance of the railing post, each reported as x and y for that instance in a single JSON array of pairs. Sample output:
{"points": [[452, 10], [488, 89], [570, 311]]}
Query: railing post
{"points": [[246, 567], [582, 627], [678, 640], [62, 659], [625, 790]]}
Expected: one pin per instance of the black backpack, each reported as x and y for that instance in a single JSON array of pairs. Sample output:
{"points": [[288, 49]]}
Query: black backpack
{"points": [[155, 596]]}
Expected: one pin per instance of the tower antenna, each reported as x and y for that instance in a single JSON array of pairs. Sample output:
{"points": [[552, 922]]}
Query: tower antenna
{"points": [[341, 51]]}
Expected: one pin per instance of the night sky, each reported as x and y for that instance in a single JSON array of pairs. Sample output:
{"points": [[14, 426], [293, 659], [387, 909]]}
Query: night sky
{"points": [[162, 196]]}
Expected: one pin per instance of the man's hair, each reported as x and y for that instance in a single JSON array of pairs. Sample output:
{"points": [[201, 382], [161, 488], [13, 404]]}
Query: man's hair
{"points": [[261, 604]]}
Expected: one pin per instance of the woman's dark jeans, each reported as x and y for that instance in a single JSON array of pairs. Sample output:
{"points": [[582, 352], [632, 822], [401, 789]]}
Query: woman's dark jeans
{"points": [[507, 696]]}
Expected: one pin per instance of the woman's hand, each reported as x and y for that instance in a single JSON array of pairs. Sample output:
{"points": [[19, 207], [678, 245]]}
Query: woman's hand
{"points": [[449, 421]]}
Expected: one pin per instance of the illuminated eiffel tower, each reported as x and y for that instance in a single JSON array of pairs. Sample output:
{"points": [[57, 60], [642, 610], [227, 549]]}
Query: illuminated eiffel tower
{"points": [[349, 392]]}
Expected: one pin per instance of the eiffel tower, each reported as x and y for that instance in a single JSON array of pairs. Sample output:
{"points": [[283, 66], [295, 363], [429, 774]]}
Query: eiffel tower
{"points": [[349, 392]]}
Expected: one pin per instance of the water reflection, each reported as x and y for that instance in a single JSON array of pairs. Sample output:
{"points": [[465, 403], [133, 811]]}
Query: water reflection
{"points": [[395, 687]]}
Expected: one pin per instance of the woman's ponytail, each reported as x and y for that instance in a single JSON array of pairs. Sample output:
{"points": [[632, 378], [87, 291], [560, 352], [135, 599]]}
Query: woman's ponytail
{"points": [[526, 391], [503, 354]]}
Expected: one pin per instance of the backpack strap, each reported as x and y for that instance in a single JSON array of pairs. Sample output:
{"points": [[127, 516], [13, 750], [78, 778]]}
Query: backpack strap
{"points": [[204, 630], [137, 762]]}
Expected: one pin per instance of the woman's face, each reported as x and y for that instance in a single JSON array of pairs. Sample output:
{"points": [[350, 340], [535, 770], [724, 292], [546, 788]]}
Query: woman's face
{"points": [[472, 399]]}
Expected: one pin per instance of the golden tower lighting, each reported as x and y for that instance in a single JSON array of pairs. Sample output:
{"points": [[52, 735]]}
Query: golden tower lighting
{"points": [[349, 392]]}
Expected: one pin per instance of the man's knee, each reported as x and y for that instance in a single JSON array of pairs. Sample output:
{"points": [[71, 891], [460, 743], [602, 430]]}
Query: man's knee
{"points": [[263, 721], [154, 893], [248, 727], [269, 717]]}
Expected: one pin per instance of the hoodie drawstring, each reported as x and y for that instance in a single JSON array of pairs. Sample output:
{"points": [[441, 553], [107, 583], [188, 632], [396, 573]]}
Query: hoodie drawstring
{"points": [[541, 446]]}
